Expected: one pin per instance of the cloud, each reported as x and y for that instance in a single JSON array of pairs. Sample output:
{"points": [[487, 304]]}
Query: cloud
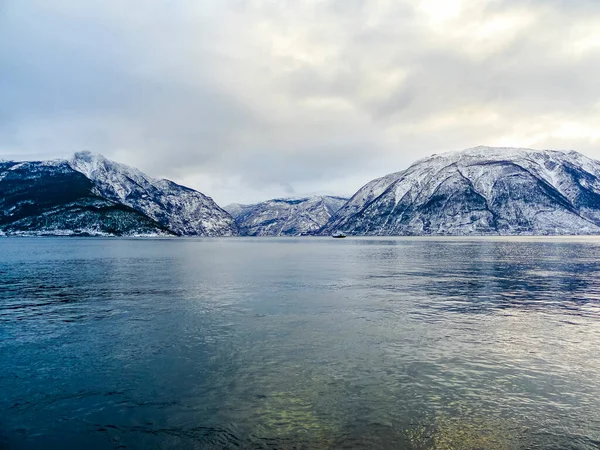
{"points": [[250, 99]]}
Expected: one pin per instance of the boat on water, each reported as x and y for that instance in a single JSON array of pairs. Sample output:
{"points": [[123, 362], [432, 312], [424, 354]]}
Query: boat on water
{"points": [[338, 235]]}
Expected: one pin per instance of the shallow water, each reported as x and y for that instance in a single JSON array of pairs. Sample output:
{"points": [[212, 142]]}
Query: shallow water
{"points": [[309, 343]]}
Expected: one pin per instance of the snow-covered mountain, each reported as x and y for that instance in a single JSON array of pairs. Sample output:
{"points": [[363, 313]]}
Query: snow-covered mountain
{"points": [[479, 191], [51, 198], [182, 210], [89, 194], [285, 216]]}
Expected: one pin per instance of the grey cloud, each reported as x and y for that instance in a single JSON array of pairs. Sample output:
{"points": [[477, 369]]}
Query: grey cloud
{"points": [[565, 7], [250, 99]]}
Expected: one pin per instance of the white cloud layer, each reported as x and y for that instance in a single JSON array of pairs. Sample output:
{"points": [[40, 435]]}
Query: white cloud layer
{"points": [[251, 99]]}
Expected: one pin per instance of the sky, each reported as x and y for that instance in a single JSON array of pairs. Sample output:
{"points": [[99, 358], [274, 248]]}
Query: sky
{"points": [[246, 100]]}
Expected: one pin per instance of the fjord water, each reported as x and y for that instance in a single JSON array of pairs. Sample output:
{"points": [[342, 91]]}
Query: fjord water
{"points": [[277, 343]]}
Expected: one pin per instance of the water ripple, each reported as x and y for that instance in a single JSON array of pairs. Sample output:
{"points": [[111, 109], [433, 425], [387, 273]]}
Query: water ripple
{"points": [[300, 343]]}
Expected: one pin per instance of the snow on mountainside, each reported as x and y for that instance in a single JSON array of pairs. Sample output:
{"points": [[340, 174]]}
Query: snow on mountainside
{"points": [[285, 217], [479, 191], [50, 198], [179, 209]]}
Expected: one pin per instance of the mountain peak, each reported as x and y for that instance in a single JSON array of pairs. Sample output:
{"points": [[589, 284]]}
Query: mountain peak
{"points": [[85, 153], [86, 162], [88, 156], [91, 164]]}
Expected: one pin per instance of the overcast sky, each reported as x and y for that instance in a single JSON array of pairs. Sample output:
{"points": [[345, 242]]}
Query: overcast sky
{"points": [[246, 100]]}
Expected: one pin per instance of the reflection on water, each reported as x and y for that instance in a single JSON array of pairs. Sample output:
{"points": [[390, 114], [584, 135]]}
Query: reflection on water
{"points": [[300, 343]]}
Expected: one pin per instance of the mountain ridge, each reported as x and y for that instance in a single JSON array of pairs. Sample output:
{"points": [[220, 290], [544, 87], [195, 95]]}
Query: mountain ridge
{"points": [[564, 190], [476, 191], [285, 216]]}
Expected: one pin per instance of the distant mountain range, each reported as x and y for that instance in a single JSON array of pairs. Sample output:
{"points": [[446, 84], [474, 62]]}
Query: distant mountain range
{"points": [[285, 216], [478, 191]]}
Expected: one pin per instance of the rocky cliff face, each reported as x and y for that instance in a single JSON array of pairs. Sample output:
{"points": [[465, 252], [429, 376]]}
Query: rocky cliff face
{"points": [[479, 191], [90, 194], [285, 217]]}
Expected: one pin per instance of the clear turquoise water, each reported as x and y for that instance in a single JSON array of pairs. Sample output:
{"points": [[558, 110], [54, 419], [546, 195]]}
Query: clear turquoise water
{"points": [[309, 343]]}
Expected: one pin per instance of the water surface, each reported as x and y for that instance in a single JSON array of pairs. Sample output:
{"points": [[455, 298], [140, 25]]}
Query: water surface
{"points": [[260, 343]]}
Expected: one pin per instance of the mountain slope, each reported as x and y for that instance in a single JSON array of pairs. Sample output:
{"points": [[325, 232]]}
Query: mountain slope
{"points": [[177, 208], [51, 198], [285, 217], [479, 191]]}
